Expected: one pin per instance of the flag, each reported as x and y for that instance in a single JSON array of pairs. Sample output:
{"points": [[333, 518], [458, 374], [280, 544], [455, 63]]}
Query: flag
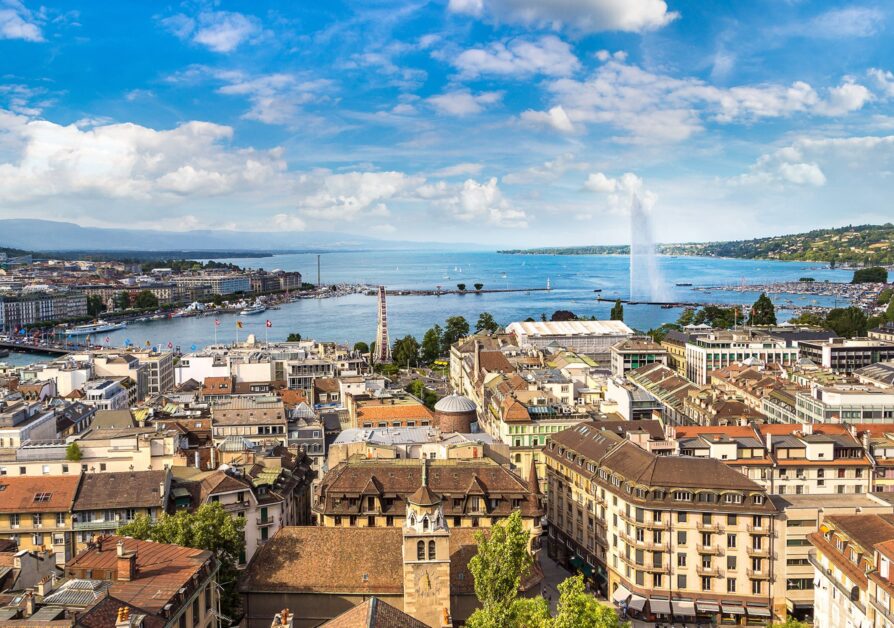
{"points": [[148, 344], [107, 339], [269, 324], [194, 347], [217, 322], [238, 324]]}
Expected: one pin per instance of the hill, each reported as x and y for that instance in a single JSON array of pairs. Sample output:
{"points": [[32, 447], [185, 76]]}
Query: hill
{"points": [[852, 245]]}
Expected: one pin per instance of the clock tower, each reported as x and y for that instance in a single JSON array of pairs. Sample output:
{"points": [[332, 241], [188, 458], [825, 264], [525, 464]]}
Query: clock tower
{"points": [[426, 557]]}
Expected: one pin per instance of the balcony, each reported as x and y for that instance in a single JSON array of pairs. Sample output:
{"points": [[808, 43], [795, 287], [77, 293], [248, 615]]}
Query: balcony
{"points": [[714, 526], [657, 525], [656, 547], [713, 571], [758, 575], [761, 529], [266, 521], [83, 526], [759, 552], [235, 507], [714, 550], [881, 608], [629, 519], [653, 568]]}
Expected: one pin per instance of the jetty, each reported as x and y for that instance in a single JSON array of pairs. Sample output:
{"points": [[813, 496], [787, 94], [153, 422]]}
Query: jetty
{"points": [[439, 292]]}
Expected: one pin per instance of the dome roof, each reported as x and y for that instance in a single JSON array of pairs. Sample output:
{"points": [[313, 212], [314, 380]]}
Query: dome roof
{"points": [[455, 403]]}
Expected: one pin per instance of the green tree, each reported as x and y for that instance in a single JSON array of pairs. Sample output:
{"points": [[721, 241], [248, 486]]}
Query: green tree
{"points": [[563, 315], [145, 300], [217, 299], [95, 306], [486, 322], [762, 312], [617, 313], [461, 287], [884, 296], [479, 286], [73, 452], [875, 274], [122, 300], [293, 337], [361, 347], [455, 328], [814, 319], [686, 317], [431, 344], [405, 351], [211, 528], [578, 609], [847, 321], [889, 311]]}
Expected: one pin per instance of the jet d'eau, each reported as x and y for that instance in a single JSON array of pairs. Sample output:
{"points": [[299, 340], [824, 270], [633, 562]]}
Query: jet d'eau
{"points": [[646, 279]]}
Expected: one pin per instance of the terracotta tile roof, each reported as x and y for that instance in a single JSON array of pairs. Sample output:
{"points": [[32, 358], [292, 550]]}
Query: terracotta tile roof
{"points": [[104, 614], [292, 398], [162, 570], [374, 613], [514, 411], [326, 384], [494, 361], [47, 493], [398, 411], [126, 489], [218, 385]]}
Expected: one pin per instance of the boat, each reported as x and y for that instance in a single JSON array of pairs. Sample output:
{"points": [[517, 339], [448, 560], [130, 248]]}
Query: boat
{"points": [[94, 328], [257, 308], [681, 285]]}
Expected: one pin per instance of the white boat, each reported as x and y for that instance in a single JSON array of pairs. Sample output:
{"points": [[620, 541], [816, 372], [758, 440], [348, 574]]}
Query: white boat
{"points": [[94, 328], [257, 308]]}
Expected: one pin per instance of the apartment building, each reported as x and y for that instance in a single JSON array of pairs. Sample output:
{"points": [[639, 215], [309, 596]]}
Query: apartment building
{"points": [[846, 355], [634, 352], [668, 387], [160, 370], [261, 421], [35, 513], [666, 537], [719, 349], [107, 394], [28, 308], [845, 403], [22, 421], [217, 283]]}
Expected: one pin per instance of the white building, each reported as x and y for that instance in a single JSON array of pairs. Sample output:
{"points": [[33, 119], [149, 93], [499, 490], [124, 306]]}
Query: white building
{"points": [[588, 337], [720, 349], [106, 394], [845, 404]]}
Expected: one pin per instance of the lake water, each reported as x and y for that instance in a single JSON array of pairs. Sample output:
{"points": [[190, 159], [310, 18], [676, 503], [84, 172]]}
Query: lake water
{"points": [[573, 280]]}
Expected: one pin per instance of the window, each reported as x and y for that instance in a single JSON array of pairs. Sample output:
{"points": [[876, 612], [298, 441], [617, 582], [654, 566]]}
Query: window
{"points": [[420, 550], [102, 466], [731, 540], [65, 468], [731, 563], [14, 520], [45, 469], [37, 520], [706, 583], [60, 519], [730, 585], [681, 559], [681, 581], [681, 537], [756, 587], [41, 498], [431, 550], [195, 612], [37, 539]]}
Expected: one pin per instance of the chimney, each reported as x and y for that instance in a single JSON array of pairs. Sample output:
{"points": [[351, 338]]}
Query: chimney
{"points": [[123, 619], [46, 585], [213, 457], [125, 564], [198, 466], [282, 619], [807, 429], [29, 603]]}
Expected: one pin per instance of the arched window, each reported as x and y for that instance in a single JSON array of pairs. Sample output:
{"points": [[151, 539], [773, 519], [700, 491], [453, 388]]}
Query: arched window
{"points": [[431, 550], [420, 550], [425, 524]]}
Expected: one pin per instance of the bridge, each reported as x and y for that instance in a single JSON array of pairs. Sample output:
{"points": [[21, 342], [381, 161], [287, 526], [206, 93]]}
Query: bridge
{"points": [[45, 348]]}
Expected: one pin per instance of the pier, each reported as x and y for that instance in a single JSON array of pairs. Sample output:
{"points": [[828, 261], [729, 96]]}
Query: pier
{"points": [[45, 348], [437, 292]]}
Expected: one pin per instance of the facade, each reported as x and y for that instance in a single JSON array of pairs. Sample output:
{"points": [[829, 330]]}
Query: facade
{"points": [[35, 512], [218, 283], [845, 404], [717, 350], [261, 421], [29, 308], [160, 367], [635, 352], [663, 536], [587, 337], [846, 355], [106, 394]]}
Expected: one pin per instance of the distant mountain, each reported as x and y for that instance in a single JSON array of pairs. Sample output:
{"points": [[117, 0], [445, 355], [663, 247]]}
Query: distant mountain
{"points": [[855, 245], [48, 235]]}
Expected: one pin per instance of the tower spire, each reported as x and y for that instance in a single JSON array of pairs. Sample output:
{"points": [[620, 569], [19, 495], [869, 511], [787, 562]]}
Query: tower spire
{"points": [[383, 345]]}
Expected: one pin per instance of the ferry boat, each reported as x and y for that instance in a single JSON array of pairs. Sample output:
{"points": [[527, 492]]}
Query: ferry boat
{"points": [[94, 328], [257, 308], [684, 284]]}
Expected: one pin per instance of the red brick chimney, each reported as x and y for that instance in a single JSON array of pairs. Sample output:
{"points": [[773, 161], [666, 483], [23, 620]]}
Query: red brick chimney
{"points": [[126, 564]]}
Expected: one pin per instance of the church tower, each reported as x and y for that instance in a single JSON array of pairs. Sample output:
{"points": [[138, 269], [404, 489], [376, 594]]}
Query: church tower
{"points": [[426, 556]]}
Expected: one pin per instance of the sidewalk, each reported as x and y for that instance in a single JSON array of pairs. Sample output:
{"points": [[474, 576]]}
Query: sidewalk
{"points": [[553, 574]]}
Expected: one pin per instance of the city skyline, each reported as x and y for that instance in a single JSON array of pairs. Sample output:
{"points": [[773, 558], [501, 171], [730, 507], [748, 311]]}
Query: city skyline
{"points": [[489, 121]]}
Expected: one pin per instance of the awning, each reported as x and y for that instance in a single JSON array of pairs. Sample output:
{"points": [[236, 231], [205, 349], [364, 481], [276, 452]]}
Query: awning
{"points": [[706, 606], [758, 611], [620, 594], [660, 607], [579, 563], [733, 609], [637, 602], [685, 608]]}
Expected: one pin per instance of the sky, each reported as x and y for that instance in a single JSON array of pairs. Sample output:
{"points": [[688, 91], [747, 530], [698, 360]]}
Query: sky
{"points": [[500, 122]]}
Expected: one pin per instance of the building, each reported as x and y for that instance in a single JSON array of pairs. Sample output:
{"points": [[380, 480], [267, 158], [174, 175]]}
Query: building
{"points": [[846, 355], [852, 556], [668, 387], [261, 421], [160, 368], [634, 352], [663, 536], [107, 394], [107, 501], [884, 332], [29, 308], [175, 586], [719, 349], [476, 493], [845, 403], [587, 337], [35, 512], [631, 401], [395, 410], [217, 283], [22, 421]]}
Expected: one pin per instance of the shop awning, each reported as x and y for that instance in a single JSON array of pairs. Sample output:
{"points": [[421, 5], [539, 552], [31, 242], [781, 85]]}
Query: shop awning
{"points": [[684, 608], [620, 594], [707, 606], [758, 611], [637, 603], [579, 563], [733, 609], [660, 607]]}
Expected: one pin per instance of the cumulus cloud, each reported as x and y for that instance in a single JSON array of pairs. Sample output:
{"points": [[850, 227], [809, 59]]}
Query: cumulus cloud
{"points": [[289, 222], [220, 31], [519, 57], [473, 200], [550, 170], [555, 118], [587, 16], [619, 190], [463, 102], [17, 22], [884, 81], [354, 194], [463, 169]]}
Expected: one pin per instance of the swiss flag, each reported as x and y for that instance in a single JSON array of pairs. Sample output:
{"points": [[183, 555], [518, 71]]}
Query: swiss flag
{"points": [[216, 322], [269, 324]]}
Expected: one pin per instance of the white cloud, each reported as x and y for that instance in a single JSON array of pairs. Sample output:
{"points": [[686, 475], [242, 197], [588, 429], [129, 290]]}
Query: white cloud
{"points": [[220, 31], [288, 222], [17, 22], [353, 195], [475, 201], [588, 16], [884, 81], [548, 171], [619, 190], [463, 169], [848, 22], [555, 118], [519, 57], [847, 97], [598, 182], [462, 102]]}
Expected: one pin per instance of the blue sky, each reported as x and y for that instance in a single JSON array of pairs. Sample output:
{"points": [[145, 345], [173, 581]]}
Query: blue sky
{"points": [[505, 122]]}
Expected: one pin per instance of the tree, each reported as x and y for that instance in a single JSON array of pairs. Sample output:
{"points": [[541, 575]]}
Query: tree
{"points": [[762, 312], [73, 452], [145, 300], [455, 328], [563, 315], [486, 322], [578, 609], [293, 337], [874, 274], [617, 313], [95, 306], [889, 311], [431, 344], [361, 347], [847, 321], [405, 351], [813, 319], [217, 299], [211, 528], [686, 317], [479, 286], [884, 296], [122, 300], [461, 287]]}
